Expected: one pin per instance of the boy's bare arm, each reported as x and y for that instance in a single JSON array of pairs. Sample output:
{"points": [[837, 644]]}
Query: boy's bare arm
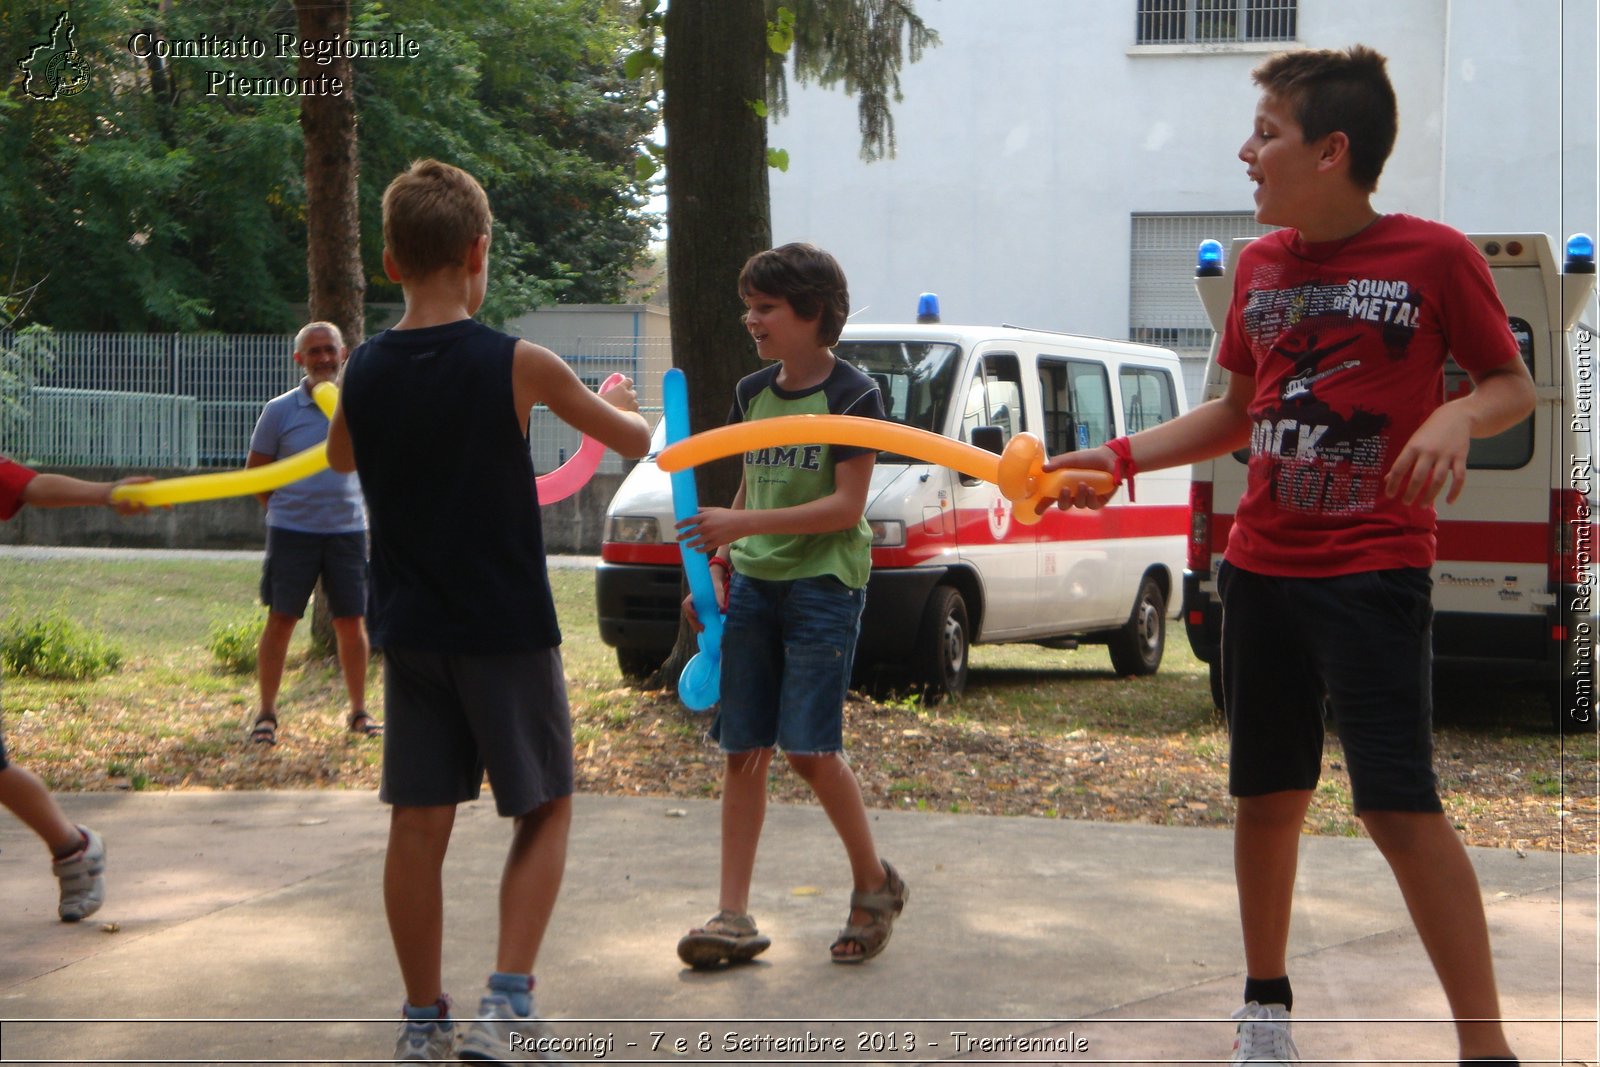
{"points": [[341, 454], [1215, 427], [839, 510], [63, 491], [541, 376], [1500, 398]]}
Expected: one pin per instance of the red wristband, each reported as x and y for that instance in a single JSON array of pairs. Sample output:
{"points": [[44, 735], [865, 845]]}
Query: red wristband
{"points": [[1125, 467]]}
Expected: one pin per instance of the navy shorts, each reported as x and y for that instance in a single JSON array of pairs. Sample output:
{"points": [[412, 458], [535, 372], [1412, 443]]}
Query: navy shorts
{"points": [[787, 650], [448, 718], [294, 562], [1366, 639]]}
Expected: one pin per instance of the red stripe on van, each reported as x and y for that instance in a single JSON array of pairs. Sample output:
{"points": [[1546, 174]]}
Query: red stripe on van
{"points": [[618, 552], [1156, 520], [1459, 539]]}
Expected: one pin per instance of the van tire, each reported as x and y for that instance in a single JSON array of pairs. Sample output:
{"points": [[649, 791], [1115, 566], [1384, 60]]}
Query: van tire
{"points": [[1214, 670], [944, 644], [638, 663], [1137, 647]]}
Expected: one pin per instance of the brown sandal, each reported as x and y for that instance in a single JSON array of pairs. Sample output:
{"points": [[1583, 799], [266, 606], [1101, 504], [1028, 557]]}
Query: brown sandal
{"points": [[365, 725], [727, 937], [884, 906], [265, 730]]}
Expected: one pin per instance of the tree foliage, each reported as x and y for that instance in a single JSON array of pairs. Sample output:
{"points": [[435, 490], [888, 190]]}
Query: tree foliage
{"points": [[143, 203], [856, 45]]}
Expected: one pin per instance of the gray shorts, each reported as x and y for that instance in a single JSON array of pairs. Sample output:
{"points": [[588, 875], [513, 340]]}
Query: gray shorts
{"points": [[295, 560], [448, 718]]}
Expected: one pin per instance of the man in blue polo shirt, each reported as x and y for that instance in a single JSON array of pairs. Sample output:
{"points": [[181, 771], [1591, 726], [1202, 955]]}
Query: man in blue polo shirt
{"points": [[316, 528]]}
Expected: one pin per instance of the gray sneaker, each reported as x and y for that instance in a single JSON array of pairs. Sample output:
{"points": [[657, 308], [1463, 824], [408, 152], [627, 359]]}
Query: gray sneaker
{"points": [[83, 879], [500, 1035], [1263, 1036], [426, 1040]]}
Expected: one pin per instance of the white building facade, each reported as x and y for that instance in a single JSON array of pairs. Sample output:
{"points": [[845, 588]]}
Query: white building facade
{"points": [[1058, 160]]}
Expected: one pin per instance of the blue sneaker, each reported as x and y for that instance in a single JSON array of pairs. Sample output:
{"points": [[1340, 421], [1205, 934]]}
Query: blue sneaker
{"points": [[83, 879]]}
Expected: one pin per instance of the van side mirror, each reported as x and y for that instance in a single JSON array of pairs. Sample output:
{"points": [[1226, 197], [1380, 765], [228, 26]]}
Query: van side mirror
{"points": [[989, 438]]}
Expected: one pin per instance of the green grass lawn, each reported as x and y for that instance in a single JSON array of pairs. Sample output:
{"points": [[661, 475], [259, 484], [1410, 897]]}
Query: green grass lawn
{"points": [[172, 716], [1039, 731]]}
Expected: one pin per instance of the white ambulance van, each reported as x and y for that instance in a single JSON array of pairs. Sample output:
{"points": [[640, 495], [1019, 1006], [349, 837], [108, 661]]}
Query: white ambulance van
{"points": [[1513, 582], [950, 564]]}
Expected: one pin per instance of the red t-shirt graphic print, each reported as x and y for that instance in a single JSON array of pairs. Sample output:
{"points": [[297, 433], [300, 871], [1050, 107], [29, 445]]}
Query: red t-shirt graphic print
{"points": [[1347, 341]]}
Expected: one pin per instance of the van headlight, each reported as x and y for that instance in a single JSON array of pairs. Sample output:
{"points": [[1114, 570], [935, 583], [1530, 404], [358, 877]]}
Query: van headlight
{"points": [[887, 533], [633, 529]]}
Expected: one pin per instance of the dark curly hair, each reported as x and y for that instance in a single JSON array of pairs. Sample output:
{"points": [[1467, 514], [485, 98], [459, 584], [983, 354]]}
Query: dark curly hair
{"points": [[810, 279]]}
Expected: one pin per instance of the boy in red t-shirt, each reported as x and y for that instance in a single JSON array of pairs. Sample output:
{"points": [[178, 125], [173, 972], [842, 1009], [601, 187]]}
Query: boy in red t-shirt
{"points": [[1335, 342], [78, 853]]}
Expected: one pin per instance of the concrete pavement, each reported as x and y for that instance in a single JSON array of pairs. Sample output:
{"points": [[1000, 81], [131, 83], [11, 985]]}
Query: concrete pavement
{"points": [[249, 927]]}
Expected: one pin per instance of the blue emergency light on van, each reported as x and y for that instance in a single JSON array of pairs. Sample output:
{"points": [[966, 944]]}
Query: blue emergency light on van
{"points": [[1208, 259], [928, 308], [1580, 254]]}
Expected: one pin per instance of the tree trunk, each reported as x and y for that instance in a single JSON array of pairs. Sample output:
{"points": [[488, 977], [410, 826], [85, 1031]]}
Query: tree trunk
{"points": [[718, 215], [338, 285]]}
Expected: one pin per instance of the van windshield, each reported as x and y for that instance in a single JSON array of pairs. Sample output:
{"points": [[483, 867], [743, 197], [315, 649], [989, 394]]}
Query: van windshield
{"points": [[916, 378]]}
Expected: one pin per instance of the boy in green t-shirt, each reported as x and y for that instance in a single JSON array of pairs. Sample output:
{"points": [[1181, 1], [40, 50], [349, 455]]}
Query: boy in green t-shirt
{"points": [[794, 554]]}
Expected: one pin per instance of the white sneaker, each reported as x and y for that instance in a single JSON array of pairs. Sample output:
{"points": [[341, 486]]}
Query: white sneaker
{"points": [[425, 1040], [1263, 1036], [500, 1035], [83, 879]]}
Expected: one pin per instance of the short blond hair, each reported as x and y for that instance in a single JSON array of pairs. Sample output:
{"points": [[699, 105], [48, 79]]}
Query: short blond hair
{"points": [[432, 212]]}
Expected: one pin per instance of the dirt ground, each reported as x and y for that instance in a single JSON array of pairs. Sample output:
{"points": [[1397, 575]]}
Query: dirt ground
{"points": [[1493, 793]]}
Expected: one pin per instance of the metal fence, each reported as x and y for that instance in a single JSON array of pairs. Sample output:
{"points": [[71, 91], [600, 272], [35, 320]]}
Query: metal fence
{"points": [[191, 401]]}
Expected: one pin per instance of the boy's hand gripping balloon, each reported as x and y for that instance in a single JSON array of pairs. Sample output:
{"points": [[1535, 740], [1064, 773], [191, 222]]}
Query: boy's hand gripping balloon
{"points": [[700, 684], [1018, 471], [575, 473], [262, 479]]}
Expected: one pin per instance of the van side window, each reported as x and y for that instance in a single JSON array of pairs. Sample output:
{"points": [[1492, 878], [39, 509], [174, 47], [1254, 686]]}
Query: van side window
{"points": [[1077, 404], [1147, 398], [1509, 449], [994, 398]]}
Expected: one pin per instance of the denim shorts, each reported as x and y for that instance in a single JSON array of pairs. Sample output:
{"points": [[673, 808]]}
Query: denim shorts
{"points": [[1365, 639], [787, 650], [296, 559]]}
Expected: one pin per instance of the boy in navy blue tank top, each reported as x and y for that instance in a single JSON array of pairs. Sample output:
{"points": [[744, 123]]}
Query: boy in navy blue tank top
{"points": [[433, 417]]}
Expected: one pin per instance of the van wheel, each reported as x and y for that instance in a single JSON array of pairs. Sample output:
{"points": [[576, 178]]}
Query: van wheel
{"points": [[943, 644], [1214, 669], [1137, 647], [640, 662]]}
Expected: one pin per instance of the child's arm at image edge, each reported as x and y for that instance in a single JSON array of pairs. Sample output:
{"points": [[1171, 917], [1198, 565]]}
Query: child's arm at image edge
{"points": [[63, 491]]}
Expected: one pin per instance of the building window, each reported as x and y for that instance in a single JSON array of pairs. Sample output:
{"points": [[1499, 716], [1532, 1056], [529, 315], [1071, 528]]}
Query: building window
{"points": [[1163, 308], [1215, 21]]}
